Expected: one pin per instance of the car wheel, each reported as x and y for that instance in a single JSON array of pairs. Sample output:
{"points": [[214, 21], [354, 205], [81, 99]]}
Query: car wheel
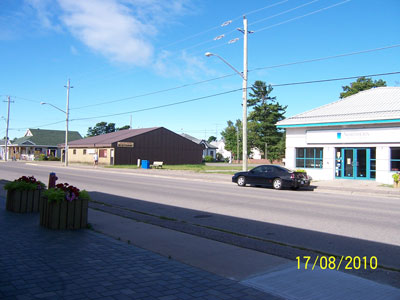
{"points": [[241, 181], [277, 184]]}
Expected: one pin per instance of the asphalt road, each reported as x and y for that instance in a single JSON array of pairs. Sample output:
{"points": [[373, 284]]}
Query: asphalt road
{"points": [[336, 224]]}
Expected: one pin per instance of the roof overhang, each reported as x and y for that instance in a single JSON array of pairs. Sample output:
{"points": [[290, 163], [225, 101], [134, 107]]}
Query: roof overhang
{"points": [[340, 123]]}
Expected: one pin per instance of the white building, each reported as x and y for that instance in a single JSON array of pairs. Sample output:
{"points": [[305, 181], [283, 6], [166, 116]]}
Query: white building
{"points": [[208, 149], [357, 137]]}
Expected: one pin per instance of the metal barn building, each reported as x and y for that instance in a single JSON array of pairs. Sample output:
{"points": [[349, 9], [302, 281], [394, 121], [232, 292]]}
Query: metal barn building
{"points": [[125, 147]]}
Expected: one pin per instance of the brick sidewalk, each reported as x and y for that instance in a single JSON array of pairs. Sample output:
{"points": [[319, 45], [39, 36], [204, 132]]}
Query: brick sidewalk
{"points": [[37, 263]]}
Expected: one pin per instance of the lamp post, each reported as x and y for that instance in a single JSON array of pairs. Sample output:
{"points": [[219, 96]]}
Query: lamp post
{"points": [[244, 86], [66, 132], [66, 121]]}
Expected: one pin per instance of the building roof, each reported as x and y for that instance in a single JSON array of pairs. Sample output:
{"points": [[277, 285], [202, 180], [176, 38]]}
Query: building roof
{"points": [[375, 105], [206, 144], [105, 140], [45, 137]]}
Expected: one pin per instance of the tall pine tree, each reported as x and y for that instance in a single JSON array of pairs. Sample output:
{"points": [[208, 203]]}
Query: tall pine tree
{"points": [[265, 112]]}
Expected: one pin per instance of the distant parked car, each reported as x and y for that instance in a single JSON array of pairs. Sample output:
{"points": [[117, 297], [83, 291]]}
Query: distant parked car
{"points": [[271, 175]]}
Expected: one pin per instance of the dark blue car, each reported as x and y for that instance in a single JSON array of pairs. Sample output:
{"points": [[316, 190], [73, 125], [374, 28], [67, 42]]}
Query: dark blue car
{"points": [[272, 176]]}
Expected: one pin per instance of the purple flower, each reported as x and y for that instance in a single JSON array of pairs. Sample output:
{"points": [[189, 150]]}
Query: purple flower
{"points": [[70, 197]]}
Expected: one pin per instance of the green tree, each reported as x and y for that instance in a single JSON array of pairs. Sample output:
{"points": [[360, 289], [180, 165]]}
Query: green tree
{"points": [[211, 139], [101, 128], [231, 134], [362, 84], [265, 112], [123, 128]]}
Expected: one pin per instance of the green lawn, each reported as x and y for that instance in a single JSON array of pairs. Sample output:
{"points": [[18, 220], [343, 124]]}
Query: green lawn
{"points": [[194, 168]]}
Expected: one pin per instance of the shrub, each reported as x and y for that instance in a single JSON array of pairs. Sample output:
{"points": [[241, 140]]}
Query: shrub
{"points": [[220, 157], [53, 158], [208, 158], [395, 177], [42, 157]]}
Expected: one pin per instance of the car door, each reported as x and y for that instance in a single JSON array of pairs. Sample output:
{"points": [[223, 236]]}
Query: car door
{"points": [[255, 175], [270, 174]]}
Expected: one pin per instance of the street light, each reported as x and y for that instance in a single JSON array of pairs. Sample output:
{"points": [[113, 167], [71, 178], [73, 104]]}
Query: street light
{"points": [[66, 112], [66, 132], [244, 77]]}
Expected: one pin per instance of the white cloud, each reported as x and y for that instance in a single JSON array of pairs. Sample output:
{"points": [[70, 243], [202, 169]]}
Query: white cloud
{"points": [[181, 65], [120, 30], [45, 13], [109, 28]]}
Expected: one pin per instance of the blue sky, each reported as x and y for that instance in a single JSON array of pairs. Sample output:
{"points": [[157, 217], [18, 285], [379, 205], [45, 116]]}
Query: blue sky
{"points": [[132, 49]]}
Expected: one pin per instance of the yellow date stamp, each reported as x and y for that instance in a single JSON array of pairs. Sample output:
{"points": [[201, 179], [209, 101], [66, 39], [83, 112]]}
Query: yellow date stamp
{"points": [[335, 263]]}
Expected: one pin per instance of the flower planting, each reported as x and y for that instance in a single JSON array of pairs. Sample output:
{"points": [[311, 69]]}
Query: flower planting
{"points": [[23, 194], [64, 207]]}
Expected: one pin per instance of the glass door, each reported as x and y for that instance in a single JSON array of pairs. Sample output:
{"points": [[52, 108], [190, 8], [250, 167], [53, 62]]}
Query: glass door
{"points": [[355, 163], [348, 163], [361, 163]]}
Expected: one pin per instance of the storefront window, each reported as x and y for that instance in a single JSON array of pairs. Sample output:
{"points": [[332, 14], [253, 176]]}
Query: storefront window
{"points": [[373, 163], [395, 159], [309, 157], [103, 153]]}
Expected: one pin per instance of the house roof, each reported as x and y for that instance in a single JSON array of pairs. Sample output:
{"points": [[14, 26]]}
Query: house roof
{"points": [[3, 142], [197, 141], [370, 106], [45, 137], [105, 140], [193, 139]]}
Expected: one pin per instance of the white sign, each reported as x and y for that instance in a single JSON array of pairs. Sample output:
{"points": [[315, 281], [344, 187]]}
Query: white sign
{"points": [[341, 136]]}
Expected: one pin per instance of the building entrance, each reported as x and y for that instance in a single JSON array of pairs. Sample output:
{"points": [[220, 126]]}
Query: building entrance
{"points": [[355, 163]]}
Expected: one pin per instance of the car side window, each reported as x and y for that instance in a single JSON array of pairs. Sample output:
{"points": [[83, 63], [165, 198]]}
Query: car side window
{"points": [[269, 169], [257, 170]]}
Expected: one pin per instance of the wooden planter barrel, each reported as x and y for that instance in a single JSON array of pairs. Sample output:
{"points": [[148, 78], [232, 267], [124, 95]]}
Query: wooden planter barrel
{"points": [[23, 201], [64, 215]]}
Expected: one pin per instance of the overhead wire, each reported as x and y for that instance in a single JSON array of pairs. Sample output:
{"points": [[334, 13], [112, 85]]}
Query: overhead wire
{"points": [[234, 74], [283, 22], [302, 16], [234, 30], [219, 26], [228, 92]]}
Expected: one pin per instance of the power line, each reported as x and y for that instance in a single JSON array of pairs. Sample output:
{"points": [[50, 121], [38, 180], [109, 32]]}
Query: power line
{"points": [[326, 58], [155, 92], [303, 16], [233, 74], [284, 12], [44, 125], [283, 22], [159, 106], [234, 30], [333, 79], [228, 92], [25, 99], [219, 26]]}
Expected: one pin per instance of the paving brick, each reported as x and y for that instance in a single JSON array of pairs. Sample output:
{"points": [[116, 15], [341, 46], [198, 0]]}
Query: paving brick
{"points": [[87, 265]]}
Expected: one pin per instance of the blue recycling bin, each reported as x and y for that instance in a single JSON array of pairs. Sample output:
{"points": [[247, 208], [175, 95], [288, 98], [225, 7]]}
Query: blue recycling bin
{"points": [[145, 164]]}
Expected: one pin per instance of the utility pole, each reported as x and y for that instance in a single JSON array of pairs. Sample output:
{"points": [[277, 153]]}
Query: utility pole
{"points": [[8, 122], [245, 33], [237, 144], [68, 86]]}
